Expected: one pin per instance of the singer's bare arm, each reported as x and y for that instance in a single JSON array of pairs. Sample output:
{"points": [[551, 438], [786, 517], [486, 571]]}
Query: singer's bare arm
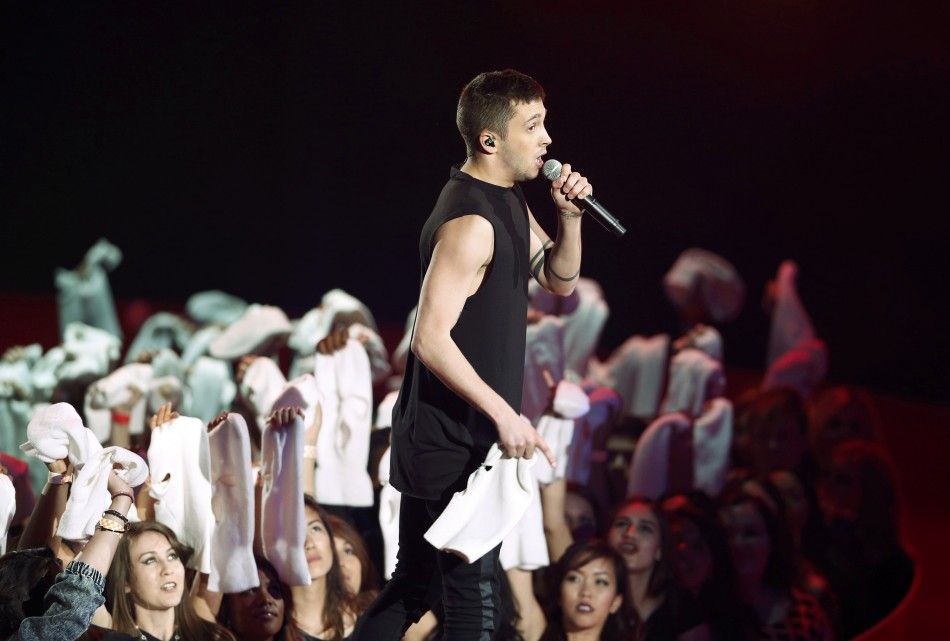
{"points": [[556, 265], [462, 252]]}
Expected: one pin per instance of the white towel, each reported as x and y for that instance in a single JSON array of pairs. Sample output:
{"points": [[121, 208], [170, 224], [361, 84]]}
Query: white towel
{"points": [[791, 324], [694, 379], [56, 432], [209, 389], [479, 517], [7, 509], [160, 331], [525, 547], [375, 349], [283, 522], [637, 370], [384, 413], [544, 351], [199, 343], [311, 399], [712, 442], [255, 328], [181, 484], [161, 390], [115, 390], [45, 373], [343, 444], [215, 306], [401, 353], [700, 276], [89, 495], [803, 367], [233, 568], [706, 338], [584, 326], [262, 384], [90, 352], [557, 430], [650, 468], [389, 501], [592, 429]]}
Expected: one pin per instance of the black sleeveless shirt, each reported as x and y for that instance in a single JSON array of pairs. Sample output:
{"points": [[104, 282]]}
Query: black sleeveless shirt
{"points": [[438, 439]]}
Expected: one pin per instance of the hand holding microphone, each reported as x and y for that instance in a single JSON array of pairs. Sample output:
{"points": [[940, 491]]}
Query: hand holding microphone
{"points": [[582, 190]]}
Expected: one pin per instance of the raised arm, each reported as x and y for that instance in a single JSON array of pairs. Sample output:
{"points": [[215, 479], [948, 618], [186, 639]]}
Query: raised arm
{"points": [[556, 265], [462, 252]]}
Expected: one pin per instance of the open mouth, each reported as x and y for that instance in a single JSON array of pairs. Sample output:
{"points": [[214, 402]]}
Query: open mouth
{"points": [[169, 587], [629, 548], [585, 608], [267, 614], [539, 161]]}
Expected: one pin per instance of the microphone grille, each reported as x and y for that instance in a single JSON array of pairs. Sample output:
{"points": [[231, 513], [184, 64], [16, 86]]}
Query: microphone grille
{"points": [[551, 169]]}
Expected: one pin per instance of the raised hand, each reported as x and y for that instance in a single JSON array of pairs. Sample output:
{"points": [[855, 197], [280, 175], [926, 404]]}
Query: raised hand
{"points": [[243, 364], [566, 189], [162, 416], [334, 341], [284, 416], [217, 420]]}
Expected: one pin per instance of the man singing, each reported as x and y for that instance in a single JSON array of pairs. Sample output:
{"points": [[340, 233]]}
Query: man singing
{"points": [[462, 389]]}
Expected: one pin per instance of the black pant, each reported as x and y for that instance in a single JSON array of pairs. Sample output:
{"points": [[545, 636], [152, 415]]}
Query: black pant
{"points": [[469, 591]]}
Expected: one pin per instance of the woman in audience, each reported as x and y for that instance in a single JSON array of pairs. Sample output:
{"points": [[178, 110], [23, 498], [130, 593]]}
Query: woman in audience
{"points": [[359, 574], [840, 414], [146, 588], [324, 610], [264, 613], [42, 601], [580, 510], [704, 565], [657, 607], [776, 426], [590, 590], [866, 563], [765, 565], [799, 508]]}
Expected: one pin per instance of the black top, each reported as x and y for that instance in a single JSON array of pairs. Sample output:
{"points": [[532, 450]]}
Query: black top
{"points": [[677, 614], [438, 439]]}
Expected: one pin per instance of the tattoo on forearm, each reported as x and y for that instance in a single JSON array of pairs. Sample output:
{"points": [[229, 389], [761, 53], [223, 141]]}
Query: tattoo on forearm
{"points": [[550, 271], [537, 263]]}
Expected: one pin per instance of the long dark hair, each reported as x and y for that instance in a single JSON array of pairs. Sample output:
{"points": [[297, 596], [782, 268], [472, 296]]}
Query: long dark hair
{"points": [[338, 599], [780, 571], [369, 577], [26, 576], [577, 555], [119, 602], [288, 629], [718, 597], [663, 575]]}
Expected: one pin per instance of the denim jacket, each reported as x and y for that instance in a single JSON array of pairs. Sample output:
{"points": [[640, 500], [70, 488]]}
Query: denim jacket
{"points": [[70, 604]]}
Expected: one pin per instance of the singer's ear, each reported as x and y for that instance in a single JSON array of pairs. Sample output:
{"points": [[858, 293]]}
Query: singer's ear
{"points": [[487, 141]]}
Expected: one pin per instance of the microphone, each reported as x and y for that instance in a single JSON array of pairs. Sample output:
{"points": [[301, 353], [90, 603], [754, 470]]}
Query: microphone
{"points": [[552, 171]]}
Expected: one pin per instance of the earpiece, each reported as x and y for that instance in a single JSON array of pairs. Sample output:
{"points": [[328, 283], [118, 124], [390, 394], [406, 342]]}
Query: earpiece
{"points": [[489, 142]]}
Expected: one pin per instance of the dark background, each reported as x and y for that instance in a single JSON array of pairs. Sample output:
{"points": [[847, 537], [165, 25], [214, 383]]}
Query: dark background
{"points": [[277, 153]]}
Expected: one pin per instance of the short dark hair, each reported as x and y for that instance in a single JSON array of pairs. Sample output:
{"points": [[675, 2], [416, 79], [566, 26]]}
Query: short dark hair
{"points": [[487, 102]]}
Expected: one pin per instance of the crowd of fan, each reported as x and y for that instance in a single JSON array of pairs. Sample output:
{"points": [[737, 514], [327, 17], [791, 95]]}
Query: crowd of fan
{"points": [[224, 475]]}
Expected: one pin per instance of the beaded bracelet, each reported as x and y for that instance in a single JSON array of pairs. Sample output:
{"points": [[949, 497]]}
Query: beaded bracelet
{"points": [[124, 518]]}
